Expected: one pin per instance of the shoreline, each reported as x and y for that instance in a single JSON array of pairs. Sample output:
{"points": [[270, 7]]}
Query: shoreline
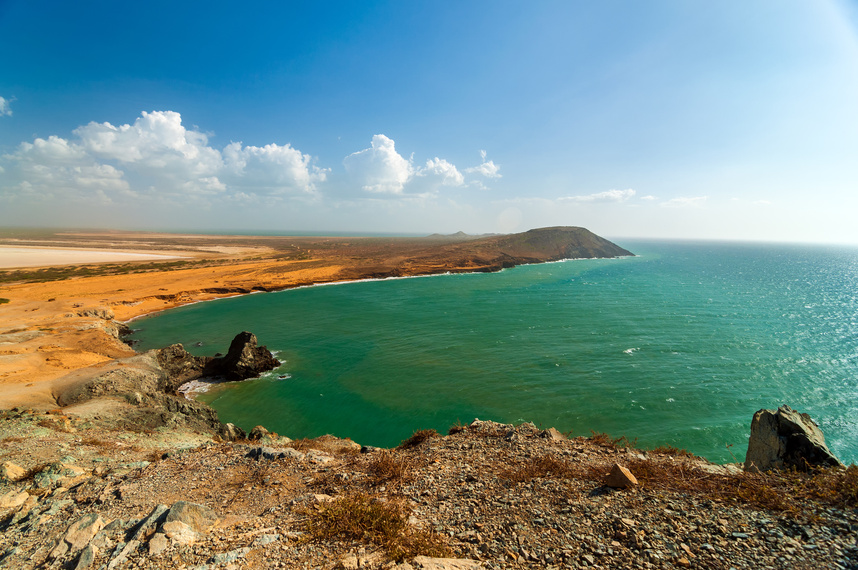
{"points": [[59, 330]]}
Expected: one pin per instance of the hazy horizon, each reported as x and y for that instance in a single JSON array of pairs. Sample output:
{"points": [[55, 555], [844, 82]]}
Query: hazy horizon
{"points": [[662, 120]]}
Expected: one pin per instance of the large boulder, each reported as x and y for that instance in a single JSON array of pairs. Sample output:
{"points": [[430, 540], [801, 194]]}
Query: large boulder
{"points": [[243, 360], [786, 438]]}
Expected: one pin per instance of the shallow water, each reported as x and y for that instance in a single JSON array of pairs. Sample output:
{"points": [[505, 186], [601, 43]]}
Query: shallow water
{"points": [[679, 346]]}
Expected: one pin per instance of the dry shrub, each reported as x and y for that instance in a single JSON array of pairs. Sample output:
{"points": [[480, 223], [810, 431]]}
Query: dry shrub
{"points": [[362, 517], [672, 451], [786, 491], [545, 466], [606, 440], [101, 443], [418, 438], [386, 467]]}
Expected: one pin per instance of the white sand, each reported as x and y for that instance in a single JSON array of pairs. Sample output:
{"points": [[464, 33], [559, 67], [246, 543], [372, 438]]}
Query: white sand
{"points": [[14, 257]]}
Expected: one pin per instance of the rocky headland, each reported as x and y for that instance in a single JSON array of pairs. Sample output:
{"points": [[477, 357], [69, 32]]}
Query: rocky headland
{"points": [[108, 465]]}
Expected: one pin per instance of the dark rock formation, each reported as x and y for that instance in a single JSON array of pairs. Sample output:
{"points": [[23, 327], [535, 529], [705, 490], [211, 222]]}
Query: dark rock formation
{"points": [[784, 439], [243, 360], [149, 382]]}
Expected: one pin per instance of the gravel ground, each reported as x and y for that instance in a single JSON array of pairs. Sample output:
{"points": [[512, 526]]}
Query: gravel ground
{"points": [[488, 495]]}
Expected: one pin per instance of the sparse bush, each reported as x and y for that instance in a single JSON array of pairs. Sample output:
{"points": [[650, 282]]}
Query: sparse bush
{"points": [[364, 518], [672, 451], [545, 466], [385, 467], [606, 440], [418, 438], [4, 300]]}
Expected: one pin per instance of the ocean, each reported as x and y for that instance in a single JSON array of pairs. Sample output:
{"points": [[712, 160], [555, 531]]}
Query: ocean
{"points": [[677, 346]]}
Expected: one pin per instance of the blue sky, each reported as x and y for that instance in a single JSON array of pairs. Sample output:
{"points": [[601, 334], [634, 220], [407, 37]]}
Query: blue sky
{"points": [[673, 119]]}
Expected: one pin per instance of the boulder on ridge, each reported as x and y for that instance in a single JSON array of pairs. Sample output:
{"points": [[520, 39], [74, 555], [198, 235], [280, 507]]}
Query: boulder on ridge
{"points": [[786, 438]]}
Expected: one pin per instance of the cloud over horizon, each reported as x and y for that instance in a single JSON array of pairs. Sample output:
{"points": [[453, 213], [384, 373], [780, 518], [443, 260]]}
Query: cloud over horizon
{"points": [[154, 155]]}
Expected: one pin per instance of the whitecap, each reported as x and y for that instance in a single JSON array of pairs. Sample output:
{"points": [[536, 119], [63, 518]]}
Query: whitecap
{"points": [[631, 350]]}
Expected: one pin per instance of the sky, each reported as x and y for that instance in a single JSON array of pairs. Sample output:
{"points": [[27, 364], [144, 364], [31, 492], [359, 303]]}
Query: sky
{"points": [[661, 119]]}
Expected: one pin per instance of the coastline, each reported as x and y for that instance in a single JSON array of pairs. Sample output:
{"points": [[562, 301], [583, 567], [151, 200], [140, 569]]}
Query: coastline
{"points": [[60, 331], [94, 485]]}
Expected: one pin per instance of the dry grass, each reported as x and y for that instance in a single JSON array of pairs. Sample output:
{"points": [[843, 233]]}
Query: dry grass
{"points": [[544, 466], [417, 438], [385, 468], [787, 492], [606, 440], [362, 517]]}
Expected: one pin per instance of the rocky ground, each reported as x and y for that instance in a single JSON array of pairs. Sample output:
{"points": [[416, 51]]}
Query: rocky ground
{"points": [[76, 493]]}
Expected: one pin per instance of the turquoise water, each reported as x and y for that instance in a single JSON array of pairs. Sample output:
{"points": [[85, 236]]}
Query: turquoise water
{"points": [[679, 346]]}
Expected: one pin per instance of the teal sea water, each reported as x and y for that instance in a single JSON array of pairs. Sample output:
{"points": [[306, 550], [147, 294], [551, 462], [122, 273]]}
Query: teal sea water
{"points": [[679, 345]]}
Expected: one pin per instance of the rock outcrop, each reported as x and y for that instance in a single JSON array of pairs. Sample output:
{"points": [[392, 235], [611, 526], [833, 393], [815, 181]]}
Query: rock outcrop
{"points": [[245, 359], [786, 438], [150, 381]]}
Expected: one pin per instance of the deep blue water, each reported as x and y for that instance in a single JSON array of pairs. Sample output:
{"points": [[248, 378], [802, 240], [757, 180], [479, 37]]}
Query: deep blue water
{"points": [[679, 346]]}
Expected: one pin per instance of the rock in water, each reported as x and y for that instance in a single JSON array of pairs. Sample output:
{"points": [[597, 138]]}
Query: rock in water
{"points": [[244, 359], [784, 439]]}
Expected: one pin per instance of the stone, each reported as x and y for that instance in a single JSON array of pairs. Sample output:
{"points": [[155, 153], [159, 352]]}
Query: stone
{"points": [[12, 472], [429, 563], [152, 519], [620, 478], [552, 434], [13, 499], [179, 532], [87, 557], [78, 535], [786, 438], [199, 517], [258, 433], [231, 432], [158, 544]]}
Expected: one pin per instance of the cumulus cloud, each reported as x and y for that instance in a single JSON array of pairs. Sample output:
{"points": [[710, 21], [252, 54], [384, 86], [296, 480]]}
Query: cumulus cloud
{"points": [[379, 168], [5, 109], [685, 202], [274, 169], [156, 155], [487, 168], [448, 173], [607, 196]]}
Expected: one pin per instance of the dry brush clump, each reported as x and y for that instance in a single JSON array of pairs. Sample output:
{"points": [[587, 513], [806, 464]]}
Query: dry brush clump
{"points": [[543, 466], [418, 437], [605, 440], [384, 523], [785, 491], [385, 467]]}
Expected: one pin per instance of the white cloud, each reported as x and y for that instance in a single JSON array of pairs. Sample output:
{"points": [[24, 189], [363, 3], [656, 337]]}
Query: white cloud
{"points": [[449, 174], [487, 168], [5, 109], [157, 156], [649, 198], [47, 168], [275, 169], [380, 169], [607, 196], [686, 202]]}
